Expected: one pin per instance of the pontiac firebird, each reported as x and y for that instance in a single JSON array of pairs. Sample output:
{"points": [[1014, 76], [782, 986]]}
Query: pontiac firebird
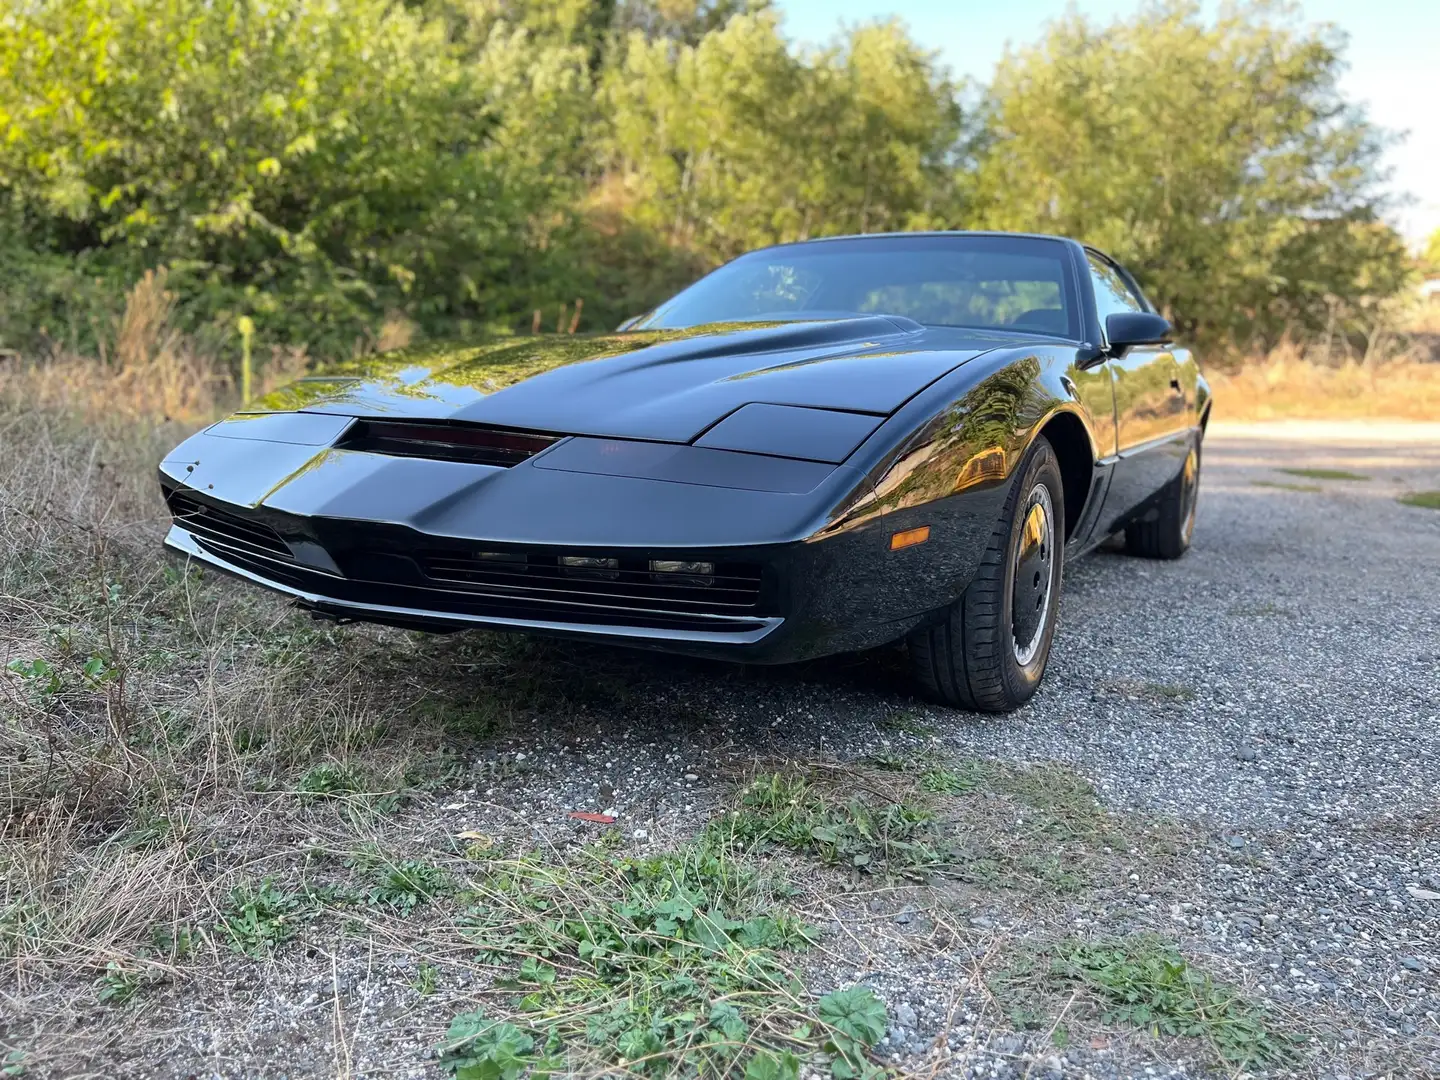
{"points": [[819, 447]]}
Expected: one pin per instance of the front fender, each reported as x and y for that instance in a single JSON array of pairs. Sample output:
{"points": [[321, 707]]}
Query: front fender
{"points": [[948, 459]]}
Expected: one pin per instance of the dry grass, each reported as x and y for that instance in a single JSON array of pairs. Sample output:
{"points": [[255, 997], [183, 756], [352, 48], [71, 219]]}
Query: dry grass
{"points": [[1288, 385], [148, 371]]}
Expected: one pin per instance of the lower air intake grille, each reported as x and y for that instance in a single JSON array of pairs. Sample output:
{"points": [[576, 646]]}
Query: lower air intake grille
{"points": [[733, 588], [444, 442], [225, 533]]}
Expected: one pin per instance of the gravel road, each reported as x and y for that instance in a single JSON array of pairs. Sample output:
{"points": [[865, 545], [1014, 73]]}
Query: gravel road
{"points": [[1276, 694]]}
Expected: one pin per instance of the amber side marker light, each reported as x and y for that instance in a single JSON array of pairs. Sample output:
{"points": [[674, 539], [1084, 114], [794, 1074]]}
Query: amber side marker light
{"points": [[909, 538]]}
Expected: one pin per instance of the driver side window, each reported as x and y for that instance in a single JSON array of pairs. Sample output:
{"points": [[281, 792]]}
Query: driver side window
{"points": [[1112, 294]]}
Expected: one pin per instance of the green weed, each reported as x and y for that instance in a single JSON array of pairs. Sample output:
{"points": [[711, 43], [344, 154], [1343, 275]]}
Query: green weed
{"points": [[900, 837], [1325, 474], [1430, 500], [427, 978], [1145, 982], [39, 676], [407, 885], [258, 919], [330, 779], [117, 985], [944, 780], [672, 964]]}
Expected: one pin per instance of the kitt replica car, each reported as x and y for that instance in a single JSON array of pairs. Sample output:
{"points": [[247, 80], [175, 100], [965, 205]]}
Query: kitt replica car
{"points": [[819, 447]]}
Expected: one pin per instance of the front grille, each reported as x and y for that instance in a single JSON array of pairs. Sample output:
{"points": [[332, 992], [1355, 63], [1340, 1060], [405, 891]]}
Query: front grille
{"points": [[226, 533], [541, 578], [383, 566], [444, 442]]}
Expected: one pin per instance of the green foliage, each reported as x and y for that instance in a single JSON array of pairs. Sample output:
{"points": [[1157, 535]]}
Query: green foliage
{"points": [[736, 141], [117, 985], [314, 167], [1145, 982], [1326, 474], [478, 1048], [330, 778], [1218, 161], [39, 676], [1428, 499], [673, 964], [409, 884], [307, 164], [258, 919], [898, 837]]}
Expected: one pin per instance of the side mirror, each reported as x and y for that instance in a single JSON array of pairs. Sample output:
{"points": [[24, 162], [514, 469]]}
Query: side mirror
{"points": [[1127, 328]]}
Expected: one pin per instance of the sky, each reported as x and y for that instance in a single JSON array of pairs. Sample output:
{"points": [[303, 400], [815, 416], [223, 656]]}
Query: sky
{"points": [[1393, 55]]}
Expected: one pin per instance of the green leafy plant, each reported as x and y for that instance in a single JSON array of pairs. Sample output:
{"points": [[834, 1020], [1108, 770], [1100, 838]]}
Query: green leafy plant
{"points": [[479, 1048], [671, 964], [330, 779], [407, 885], [39, 675], [901, 836], [1145, 982], [117, 985], [857, 1019], [258, 919], [427, 978]]}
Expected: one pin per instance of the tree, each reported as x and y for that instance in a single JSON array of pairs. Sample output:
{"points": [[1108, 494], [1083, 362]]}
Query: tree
{"points": [[1219, 161], [304, 163], [737, 142]]}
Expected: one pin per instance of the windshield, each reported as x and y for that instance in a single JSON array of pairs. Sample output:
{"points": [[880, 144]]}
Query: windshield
{"points": [[985, 282]]}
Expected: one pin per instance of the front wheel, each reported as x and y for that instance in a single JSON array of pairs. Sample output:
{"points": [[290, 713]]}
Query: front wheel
{"points": [[989, 651]]}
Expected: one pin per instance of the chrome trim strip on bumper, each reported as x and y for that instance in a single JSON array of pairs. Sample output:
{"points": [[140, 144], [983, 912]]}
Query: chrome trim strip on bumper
{"points": [[181, 542]]}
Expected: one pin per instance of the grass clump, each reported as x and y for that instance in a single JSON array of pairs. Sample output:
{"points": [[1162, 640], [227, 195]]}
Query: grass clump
{"points": [[1326, 474], [673, 964], [1143, 981], [1282, 486], [871, 834], [1430, 500], [409, 884]]}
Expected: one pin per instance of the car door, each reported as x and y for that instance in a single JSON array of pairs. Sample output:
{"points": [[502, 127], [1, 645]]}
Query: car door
{"points": [[1152, 408]]}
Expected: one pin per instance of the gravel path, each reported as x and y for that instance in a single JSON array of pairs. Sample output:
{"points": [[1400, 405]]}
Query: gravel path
{"points": [[1276, 693]]}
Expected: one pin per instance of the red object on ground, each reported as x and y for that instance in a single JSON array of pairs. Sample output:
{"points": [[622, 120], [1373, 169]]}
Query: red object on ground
{"points": [[599, 819]]}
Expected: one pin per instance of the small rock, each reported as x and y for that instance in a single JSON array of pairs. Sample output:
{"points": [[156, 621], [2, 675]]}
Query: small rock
{"points": [[905, 1015], [692, 776], [906, 915], [1414, 963], [981, 922], [1236, 842], [1245, 753], [1422, 894]]}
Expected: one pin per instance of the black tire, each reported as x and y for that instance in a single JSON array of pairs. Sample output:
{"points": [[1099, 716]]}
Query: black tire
{"points": [[973, 658], [1165, 532]]}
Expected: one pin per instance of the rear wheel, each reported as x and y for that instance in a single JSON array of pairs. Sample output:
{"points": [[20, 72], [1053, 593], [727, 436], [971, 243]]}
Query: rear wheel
{"points": [[989, 651], [1167, 535]]}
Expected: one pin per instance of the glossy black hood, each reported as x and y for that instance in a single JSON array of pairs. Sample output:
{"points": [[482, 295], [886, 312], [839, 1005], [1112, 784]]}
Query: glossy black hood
{"points": [[666, 385]]}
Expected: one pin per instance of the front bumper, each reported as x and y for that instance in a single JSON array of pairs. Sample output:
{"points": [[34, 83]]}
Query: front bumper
{"points": [[348, 534], [730, 632]]}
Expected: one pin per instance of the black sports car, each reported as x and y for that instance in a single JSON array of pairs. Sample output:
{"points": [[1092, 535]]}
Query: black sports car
{"points": [[819, 447]]}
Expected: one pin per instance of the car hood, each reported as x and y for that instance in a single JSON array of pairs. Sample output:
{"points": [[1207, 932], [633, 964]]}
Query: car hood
{"points": [[666, 385]]}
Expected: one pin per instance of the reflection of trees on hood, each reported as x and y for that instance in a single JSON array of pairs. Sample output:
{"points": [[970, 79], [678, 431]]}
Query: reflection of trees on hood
{"points": [[973, 443]]}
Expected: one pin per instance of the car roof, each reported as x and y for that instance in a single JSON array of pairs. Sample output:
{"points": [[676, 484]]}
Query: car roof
{"points": [[923, 232]]}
